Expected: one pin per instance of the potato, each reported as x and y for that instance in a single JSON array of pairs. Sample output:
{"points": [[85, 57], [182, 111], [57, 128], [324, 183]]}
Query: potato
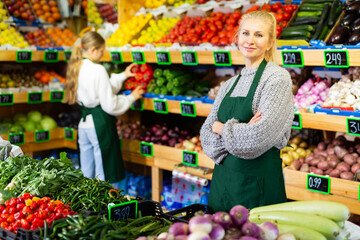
{"points": [[351, 149], [320, 157], [330, 146], [343, 167], [355, 154], [287, 158], [358, 160], [347, 175], [312, 169], [318, 171], [296, 140], [327, 172], [330, 151], [355, 168], [304, 167], [332, 157], [321, 146], [301, 152], [295, 165], [323, 165], [303, 144], [309, 158], [294, 146], [340, 152], [302, 160], [323, 153], [314, 162], [335, 173], [294, 154], [349, 159], [327, 141]]}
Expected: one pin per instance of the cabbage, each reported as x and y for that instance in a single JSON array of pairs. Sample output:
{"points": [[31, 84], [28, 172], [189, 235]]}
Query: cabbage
{"points": [[34, 116], [47, 123]]}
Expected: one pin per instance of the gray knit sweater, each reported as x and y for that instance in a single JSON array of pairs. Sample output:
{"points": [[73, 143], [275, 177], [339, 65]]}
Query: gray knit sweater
{"points": [[273, 96]]}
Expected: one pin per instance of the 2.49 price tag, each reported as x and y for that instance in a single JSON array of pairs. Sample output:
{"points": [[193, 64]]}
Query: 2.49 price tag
{"points": [[336, 58], [317, 183]]}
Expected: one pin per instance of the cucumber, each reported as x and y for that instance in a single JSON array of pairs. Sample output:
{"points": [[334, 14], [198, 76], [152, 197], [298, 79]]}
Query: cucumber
{"points": [[324, 32], [306, 20], [332, 15], [315, 5], [319, 1], [300, 232], [323, 18], [310, 8], [294, 33], [332, 210], [321, 224], [309, 14], [297, 38], [309, 28]]}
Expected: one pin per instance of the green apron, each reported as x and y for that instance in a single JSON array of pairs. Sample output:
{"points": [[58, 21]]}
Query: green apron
{"points": [[253, 182], [105, 127]]}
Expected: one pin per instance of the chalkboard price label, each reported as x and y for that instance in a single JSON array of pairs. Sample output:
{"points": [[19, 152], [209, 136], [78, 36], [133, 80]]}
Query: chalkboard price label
{"points": [[292, 58], [146, 149], [69, 133], [336, 58], [51, 56], [67, 55], [222, 58], [188, 109], [56, 96], [160, 106], [6, 99], [353, 126], [189, 58], [190, 158], [163, 58], [24, 56], [297, 123], [35, 97], [123, 211], [138, 57], [138, 105], [116, 57], [42, 136], [318, 183], [17, 138]]}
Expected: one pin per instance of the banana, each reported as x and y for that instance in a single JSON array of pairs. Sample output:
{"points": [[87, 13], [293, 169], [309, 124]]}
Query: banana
{"points": [[300, 233]]}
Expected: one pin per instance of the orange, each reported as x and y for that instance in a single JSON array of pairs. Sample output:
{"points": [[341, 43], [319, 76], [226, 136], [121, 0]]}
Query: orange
{"points": [[36, 6], [54, 9], [47, 14], [50, 19], [39, 12], [56, 16], [52, 3], [46, 7], [37, 75], [50, 31]]}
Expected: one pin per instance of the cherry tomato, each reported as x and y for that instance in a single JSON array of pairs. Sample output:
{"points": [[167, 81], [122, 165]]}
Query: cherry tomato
{"points": [[286, 16], [279, 17]]}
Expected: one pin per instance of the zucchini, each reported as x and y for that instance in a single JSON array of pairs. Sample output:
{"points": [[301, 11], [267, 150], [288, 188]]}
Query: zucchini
{"points": [[315, 5], [332, 15], [319, 1], [300, 232], [308, 20], [309, 14], [310, 8], [309, 28], [298, 38], [324, 32], [305, 18], [322, 20], [294, 33]]}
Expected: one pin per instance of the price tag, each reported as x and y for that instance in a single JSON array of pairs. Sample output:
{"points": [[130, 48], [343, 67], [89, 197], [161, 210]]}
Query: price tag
{"points": [[42, 136], [51, 56], [138, 57], [336, 58], [160, 106], [190, 158], [146, 149], [17, 138], [123, 211], [56, 96], [69, 133], [222, 58], [318, 183], [163, 58], [188, 109], [297, 123], [292, 58], [116, 57], [6, 99], [189, 58], [353, 126], [67, 55], [35, 97], [24, 56], [138, 105]]}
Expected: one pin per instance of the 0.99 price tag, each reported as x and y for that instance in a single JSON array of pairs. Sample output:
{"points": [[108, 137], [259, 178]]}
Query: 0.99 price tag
{"points": [[146, 149], [336, 58], [123, 211], [51, 56], [42, 136], [35, 97], [17, 138], [6, 99], [24, 56], [189, 58], [163, 58], [292, 58], [317, 183]]}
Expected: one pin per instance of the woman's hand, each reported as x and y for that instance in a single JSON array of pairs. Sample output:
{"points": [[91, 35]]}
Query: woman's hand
{"points": [[136, 93], [128, 72], [256, 117], [217, 127]]}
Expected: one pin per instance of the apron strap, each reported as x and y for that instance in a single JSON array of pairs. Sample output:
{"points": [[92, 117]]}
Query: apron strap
{"points": [[85, 111], [233, 86]]}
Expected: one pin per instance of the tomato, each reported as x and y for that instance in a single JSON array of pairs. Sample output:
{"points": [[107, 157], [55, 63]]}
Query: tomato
{"points": [[286, 16], [26, 210], [37, 222], [278, 32], [276, 6], [20, 206], [10, 219], [2, 207], [25, 224], [294, 7], [43, 214], [12, 202], [4, 225], [279, 17], [283, 23], [4, 216], [266, 7], [280, 10], [12, 210], [18, 215], [30, 217], [288, 8]]}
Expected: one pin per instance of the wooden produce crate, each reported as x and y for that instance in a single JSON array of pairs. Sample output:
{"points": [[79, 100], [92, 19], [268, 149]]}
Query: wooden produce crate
{"points": [[327, 39]]}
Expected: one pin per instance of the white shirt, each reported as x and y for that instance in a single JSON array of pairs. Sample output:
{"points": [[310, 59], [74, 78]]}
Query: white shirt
{"points": [[95, 88]]}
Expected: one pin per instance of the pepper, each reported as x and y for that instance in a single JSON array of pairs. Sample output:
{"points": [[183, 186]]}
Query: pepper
{"points": [[145, 67]]}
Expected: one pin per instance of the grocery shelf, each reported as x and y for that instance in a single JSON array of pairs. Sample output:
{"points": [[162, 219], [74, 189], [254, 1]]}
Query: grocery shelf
{"points": [[324, 122], [37, 56], [22, 97]]}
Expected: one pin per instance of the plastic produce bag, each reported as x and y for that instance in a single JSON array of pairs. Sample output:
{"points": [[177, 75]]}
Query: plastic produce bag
{"points": [[7, 150]]}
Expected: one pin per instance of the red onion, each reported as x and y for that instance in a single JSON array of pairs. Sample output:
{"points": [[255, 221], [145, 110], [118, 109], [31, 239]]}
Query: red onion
{"points": [[179, 228], [222, 218], [217, 232], [239, 215]]}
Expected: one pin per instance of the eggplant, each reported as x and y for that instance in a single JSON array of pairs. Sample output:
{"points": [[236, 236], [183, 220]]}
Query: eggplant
{"points": [[352, 7], [340, 35], [354, 38], [355, 25], [348, 19]]}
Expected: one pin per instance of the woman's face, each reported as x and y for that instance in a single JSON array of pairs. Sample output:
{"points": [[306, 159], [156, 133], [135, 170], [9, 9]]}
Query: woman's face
{"points": [[254, 39], [96, 54]]}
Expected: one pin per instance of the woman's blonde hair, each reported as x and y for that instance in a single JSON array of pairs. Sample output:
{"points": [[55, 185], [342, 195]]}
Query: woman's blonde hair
{"points": [[89, 40], [268, 19]]}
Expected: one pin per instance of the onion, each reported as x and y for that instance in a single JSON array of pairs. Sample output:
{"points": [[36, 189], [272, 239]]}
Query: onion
{"points": [[223, 219], [270, 231], [198, 236], [200, 224], [178, 228], [217, 232], [239, 215], [251, 229]]}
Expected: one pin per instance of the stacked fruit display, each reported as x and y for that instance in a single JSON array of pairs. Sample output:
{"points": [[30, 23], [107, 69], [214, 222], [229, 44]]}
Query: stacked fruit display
{"points": [[46, 10], [143, 75], [178, 3], [128, 30], [44, 76], [20, 9], [108, 12], [40, 39], [154, 3], [16, 79], [3, 12], [155, 31], [93, 14], [9, 35], [62, 37]]}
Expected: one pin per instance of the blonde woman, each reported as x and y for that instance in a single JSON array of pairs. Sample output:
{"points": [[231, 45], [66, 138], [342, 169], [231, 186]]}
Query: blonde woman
{"points": [[88, 84], [250, 122]]}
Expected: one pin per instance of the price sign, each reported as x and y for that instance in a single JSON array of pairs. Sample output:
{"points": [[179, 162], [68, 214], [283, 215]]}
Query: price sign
{"points": [[160, 106], [297, 123], [188, 109], [51, 56], [190, 158], [222, 58], [163, 58], [138, 105], [336, 58], [69, 133], [353, 126], [56, 96], [189, 58], [116, 57], [35, 97], [67, 55], [123, 211], [146, 149], [24, 56], [17, 138], [292, 58], [42, 136], [138, 57], [6, 99], [318, 183]]}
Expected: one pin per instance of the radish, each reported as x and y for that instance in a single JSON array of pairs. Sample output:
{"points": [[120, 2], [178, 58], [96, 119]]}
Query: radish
{"points": [[239, 215], [179, 228], [251, 229], [270, 231], [217, 232], [222, 218], [200, 224], [198, 236]]}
